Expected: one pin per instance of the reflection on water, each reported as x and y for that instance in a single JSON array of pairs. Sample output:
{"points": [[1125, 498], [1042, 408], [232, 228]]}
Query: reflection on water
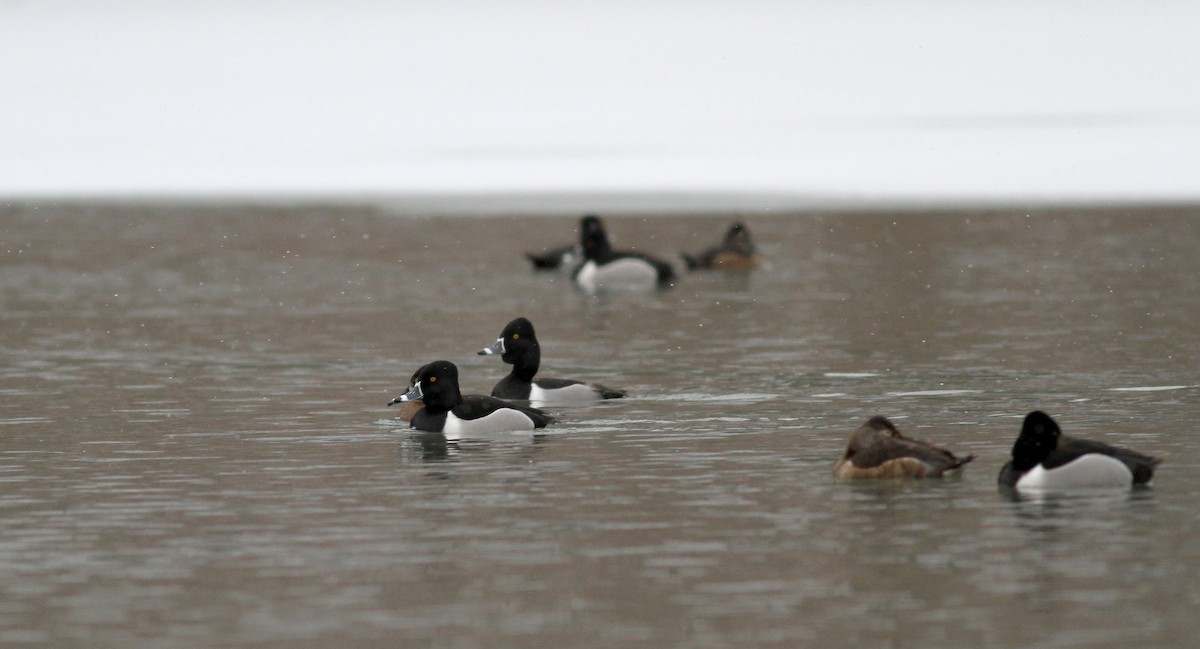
{"points": [[195, 450]]}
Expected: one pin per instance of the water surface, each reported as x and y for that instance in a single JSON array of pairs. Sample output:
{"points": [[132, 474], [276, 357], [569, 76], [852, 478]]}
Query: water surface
{"points": [[195, 449]]}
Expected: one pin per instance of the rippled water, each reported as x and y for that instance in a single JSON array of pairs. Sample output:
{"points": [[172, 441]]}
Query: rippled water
{"points": [[195, 449]]}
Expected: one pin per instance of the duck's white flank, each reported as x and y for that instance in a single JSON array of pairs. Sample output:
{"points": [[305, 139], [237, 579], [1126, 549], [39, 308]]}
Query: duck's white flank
{"points": [[569, 394], [1091, 470], [503, 420], [621, 273]]}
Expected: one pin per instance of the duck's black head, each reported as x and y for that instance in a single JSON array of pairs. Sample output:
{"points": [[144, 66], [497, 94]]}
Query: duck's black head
{"points": [[1038, 438], [593, 238], [411, 399], [521, 348], [518, 346], [437, 385]]}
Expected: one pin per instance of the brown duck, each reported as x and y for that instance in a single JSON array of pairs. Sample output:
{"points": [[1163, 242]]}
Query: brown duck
{"points": [[878, 450], [736, 252]]}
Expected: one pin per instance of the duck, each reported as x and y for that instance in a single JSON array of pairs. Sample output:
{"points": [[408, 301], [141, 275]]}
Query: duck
{"points": [[878, 450], [604, 268], [736, 252], [518, 346], [449, 412], [1045, 459], [564, 257]]}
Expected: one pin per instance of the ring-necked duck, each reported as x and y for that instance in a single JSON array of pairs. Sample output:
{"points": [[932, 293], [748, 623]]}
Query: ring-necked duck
{"points": [[1044, 458], [878, 450], [736, 252], [518, 346], [447, 411], [565, 257], [604, 268]]}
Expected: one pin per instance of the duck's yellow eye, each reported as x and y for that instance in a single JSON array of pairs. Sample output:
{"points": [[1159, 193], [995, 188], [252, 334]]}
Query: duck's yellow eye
{"points": [[433, 379], [516, 336]]}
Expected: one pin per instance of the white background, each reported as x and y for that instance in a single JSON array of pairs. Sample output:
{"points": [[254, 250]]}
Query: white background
{"points": [[844, 100]]}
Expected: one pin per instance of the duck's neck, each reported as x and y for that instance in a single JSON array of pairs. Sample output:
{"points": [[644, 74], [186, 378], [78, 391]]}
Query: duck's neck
{"points": [[443, 401], [597, 248], [1027, 453], [525, 364]]}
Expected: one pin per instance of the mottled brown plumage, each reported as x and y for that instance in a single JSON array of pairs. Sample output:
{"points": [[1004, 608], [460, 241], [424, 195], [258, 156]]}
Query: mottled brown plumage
{"points": [[878, 450], [736, 252]]}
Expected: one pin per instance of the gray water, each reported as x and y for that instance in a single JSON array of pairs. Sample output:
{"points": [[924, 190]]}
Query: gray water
{"points": [[195, 449]]}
